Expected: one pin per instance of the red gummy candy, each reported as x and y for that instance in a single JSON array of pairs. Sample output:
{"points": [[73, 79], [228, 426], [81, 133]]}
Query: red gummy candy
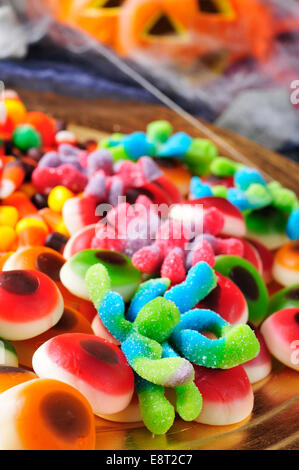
{"points": [[173, 266], [172, 234], [148, 259], [203, 252], [229, 246], [45, 179], [106, 238], [213, 221]]}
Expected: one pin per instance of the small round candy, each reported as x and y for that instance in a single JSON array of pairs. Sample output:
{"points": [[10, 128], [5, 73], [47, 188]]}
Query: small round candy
{"points": [[281, 333], [267, 226], [45, 414], [286, 264], [249, 281], [11, 376], [58, 196], [261, 366], [8, 238], [56, 241], [8, 354], [26, 137], [227, 395], [9, 216], [38, 258], [227, 300], [284, 298], [97, 368], [70, 322], [30, 303], [124, 277]]}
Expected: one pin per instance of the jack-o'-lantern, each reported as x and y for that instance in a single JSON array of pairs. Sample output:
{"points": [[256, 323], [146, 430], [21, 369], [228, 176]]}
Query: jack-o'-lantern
{"points": [[159, 28], [99, 18], [242, 28]]}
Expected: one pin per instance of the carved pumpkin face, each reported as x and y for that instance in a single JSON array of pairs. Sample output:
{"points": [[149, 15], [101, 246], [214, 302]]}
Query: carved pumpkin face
{"points": [[161, 28], [97, 17], [242, 27]]}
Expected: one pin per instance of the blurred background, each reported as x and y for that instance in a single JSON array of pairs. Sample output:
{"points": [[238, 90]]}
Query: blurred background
{"points": [[231, 62]]}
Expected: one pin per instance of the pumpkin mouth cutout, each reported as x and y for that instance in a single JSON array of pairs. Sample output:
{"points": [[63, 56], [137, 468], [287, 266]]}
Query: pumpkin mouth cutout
{"points": [[162, 27], [216, 8], [108, 7]]}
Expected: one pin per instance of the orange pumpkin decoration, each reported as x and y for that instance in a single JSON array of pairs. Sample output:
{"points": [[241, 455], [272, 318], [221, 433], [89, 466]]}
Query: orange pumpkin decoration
{"points": [[97, 17], [240, 27], [161, 28]]}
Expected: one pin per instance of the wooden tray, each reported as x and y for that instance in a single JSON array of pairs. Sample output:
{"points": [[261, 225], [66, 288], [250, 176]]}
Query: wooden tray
{"points": [[274, 423]]}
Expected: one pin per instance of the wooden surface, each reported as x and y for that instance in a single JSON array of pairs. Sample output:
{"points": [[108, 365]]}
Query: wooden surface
{"points": [[274, 423], [114, 116]]}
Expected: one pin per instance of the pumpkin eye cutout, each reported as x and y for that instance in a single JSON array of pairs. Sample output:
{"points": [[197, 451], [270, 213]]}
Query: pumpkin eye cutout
{"points": [[216, 7], [162, 27], [106, 4]]}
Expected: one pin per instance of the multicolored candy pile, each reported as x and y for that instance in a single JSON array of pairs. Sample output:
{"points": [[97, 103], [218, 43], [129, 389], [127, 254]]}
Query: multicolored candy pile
{"points": [[137, 281]]}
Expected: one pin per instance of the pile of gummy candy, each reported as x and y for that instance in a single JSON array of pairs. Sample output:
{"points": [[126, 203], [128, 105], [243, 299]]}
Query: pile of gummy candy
{"points": [[112, 307]]}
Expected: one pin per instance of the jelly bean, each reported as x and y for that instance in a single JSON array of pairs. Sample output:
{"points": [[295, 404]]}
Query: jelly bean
{"points": [[281, 333], [7, 238], [124, 277], [57, 241], [227, 395], [247, 278], [40, 200], [58, 196], [12, 375], [70, 322], [16, 110], [227, 300], [26, 137], [259, 367], [41, 301], [100, 370], [44, 125], [234, 346], [286, 264], [9, 216], [284, 299], [62, 416], [9, 355]]}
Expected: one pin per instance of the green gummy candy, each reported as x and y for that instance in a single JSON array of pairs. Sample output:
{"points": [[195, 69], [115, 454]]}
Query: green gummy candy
{"points": [[241, 345], [266, 221], [200, 155], [258, 194], [157, 319], [224, 167], [118, 153], [156, 411], [249, 281], [284, 200], [219, 191], [168, 371], [159, 132], [98, 283], [285, 298], [189, 401]]}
